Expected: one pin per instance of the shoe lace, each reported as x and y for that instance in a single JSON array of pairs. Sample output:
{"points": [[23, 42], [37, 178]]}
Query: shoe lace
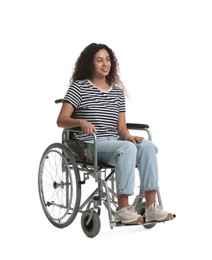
{"points": [[131, 209], [156, 208]]}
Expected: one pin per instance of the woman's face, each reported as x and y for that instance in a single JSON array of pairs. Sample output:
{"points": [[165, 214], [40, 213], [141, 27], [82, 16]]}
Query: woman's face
{"points": [[101, 63]]}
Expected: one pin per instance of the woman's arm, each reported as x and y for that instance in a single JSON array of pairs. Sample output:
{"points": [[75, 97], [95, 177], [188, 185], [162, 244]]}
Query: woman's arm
{"points": [[122, 126], [123, 131], [65, 120]]}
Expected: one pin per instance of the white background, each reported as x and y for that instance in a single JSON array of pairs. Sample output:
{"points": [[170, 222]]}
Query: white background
{"points": [[165, 55]]}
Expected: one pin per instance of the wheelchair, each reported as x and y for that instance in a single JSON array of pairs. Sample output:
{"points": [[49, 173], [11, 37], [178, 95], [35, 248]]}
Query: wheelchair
{"points": [[66, 167]]}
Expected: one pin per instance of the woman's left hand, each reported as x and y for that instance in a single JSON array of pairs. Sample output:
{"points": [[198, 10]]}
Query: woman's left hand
{"points": [[135, 139]]}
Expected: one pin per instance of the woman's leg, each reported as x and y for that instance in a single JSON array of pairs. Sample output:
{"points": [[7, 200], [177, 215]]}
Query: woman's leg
{"points": [[147, 166], [148, 170], [121, 155]]}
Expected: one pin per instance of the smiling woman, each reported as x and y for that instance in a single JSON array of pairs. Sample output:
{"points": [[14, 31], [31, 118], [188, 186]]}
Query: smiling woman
{"points": [[95, 102], [164, 51], [102, 66]]}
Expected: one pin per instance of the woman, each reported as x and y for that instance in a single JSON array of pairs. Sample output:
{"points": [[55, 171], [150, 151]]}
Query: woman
{"points": [[95, 101]]}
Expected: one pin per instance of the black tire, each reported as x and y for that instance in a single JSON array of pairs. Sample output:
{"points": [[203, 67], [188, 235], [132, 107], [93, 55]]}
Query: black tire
{"points": [[92, 228], [59, 185]]}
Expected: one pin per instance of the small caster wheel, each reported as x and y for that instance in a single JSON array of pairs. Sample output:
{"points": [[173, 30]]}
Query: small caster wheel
{"points": [[90, 223]]}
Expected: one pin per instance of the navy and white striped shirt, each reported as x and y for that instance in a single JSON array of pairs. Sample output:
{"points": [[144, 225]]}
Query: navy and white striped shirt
{"points": [[97, 107]]}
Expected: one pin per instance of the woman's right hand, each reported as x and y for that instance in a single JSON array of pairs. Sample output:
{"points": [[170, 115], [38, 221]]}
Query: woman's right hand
{"points": [[87, 128]]}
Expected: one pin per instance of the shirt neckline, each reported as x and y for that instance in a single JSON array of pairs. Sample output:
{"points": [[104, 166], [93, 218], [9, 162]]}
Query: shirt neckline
{"points": [[104, 91]]}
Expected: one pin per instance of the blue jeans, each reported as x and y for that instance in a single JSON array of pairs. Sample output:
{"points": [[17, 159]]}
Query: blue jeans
{"points": [[125, 156]]}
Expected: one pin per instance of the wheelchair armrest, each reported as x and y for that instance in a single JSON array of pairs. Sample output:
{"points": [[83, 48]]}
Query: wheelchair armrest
{"points": [[142, 127], [134, 126], [73, 130], [57, 101]]}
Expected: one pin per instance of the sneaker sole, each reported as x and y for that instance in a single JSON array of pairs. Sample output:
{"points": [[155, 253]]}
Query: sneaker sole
{"points": [[169, 217], [139, 220]]}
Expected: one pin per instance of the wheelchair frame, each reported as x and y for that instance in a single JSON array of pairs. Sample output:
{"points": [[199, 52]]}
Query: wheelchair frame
{"points": [[60, 180]]}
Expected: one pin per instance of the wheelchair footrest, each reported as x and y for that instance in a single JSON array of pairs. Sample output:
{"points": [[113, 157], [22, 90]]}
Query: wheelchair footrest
{"points": [[119, 223]]}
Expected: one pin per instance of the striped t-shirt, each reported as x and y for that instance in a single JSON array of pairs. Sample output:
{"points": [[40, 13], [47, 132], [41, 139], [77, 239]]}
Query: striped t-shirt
{"points": [[97, 107]]}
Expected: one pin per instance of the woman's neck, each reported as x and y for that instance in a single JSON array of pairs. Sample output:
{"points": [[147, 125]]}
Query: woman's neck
{"points": [[101, 84]]}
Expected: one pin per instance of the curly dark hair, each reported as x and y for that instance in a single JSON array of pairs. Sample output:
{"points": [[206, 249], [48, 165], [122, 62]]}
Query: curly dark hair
{"points": [[84, 65]]}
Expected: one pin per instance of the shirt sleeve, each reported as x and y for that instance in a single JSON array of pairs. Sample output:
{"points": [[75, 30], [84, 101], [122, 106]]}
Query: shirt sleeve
{"points": [[122, 104], [73, 95]]}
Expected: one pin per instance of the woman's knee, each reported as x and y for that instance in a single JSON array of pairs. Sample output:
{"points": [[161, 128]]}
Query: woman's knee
{"points": [[126, 152], [148, 145], [129, 149], [129, 146]]}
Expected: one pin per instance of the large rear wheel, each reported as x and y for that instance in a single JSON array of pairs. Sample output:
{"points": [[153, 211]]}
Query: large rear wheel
{"points": [[59, 185]]}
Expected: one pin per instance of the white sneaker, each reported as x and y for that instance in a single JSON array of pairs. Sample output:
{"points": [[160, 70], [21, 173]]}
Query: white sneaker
{"points": [[128, 215], [155, 213]]}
